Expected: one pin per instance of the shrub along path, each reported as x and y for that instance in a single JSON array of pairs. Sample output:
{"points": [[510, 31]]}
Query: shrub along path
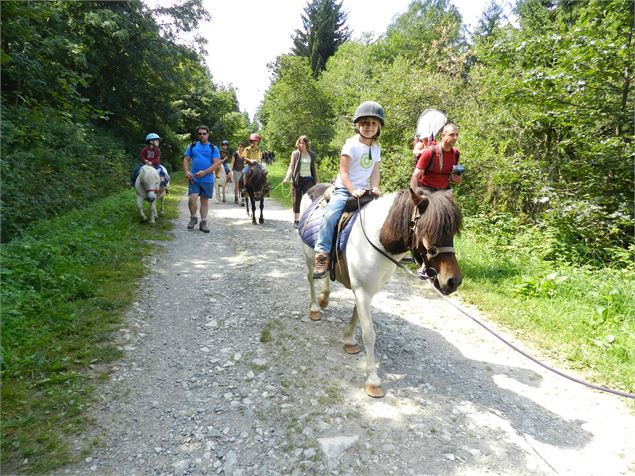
{"points": [[223, 373]]}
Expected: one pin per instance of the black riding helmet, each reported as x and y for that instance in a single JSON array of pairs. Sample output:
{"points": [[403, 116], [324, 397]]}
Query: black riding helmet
{"points": [[369, 109]]}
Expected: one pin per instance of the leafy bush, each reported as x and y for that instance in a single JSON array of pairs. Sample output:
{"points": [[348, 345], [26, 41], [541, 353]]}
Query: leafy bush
{"points": [[51, 164]]}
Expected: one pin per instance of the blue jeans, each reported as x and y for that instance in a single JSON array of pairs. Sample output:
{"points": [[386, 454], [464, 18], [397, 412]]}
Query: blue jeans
{"points": [[332, 214]]}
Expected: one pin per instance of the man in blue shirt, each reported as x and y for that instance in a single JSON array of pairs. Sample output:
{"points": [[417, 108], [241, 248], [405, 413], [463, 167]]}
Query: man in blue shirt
{"points": [[204, 158]]}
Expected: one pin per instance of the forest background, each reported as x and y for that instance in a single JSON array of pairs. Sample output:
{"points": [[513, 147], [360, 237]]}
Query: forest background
{"points": [[544, 103]]}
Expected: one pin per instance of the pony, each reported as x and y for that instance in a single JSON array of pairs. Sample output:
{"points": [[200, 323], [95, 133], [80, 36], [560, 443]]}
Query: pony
{"points": [[222, 179], [148, 187], [385, 230], [255, 181]]}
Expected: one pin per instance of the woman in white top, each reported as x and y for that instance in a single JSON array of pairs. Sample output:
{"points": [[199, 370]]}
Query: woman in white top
{"points": [[302, 173]]}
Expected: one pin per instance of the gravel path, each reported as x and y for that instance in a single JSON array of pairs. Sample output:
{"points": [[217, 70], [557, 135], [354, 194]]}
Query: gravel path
{"points": [[224, 374]]}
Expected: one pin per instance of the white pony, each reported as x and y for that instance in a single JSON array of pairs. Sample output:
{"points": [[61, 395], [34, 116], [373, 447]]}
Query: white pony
{"points": [[222, 179], [148, 187], [397, 223]]}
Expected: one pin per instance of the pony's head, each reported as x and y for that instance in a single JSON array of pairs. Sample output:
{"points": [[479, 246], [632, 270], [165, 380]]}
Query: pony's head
{"points": [[436, 221], [149, 183], [255, 179], [426, 223]]}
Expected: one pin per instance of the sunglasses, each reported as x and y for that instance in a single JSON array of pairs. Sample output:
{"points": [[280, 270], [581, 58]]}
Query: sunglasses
{"points": [[201, 133]]}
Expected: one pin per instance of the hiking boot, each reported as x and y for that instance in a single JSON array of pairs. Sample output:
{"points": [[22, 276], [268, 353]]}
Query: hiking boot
{"points": [[321, 265], [296, 224], [203, 226], [192, 223]]}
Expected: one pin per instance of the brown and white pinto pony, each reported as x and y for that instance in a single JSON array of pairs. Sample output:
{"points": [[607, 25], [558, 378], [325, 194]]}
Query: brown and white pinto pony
{"points": [[397, 223]]}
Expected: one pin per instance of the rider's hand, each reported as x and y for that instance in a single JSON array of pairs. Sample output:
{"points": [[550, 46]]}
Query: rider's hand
{"points": [[375, 191], [358, 192], [285, 180]]}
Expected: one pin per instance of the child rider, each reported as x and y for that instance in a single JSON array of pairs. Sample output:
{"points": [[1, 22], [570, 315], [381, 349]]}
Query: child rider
{"points": [[359, 170]]}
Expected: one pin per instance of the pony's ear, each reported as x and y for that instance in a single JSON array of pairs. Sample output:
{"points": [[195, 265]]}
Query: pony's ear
{"points": [[421, 201]]}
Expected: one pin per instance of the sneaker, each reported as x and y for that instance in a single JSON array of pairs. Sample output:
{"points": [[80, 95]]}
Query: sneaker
{"points": [[236, 200], [192, 223], [296, 224], [203, 226], [321, 265]]}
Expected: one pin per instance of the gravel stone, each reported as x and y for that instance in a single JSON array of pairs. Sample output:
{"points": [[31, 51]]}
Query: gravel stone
{"points": [[223, 373]]}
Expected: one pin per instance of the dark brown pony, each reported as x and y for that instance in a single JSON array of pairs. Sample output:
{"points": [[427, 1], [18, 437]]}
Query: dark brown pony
{"points": [[255, 181]]}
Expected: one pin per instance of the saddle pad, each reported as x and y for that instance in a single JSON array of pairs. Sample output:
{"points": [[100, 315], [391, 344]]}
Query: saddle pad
{"points": [[310, 222]]}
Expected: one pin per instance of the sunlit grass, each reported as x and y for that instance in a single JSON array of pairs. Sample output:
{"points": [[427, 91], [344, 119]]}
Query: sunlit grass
{"points": [[583, 318], [65, 285]]}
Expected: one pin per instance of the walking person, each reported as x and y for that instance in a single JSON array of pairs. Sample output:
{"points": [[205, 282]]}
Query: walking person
{"points": [[359, 171], [436, 165], [302, 173], [236, 167], [204, 158]]}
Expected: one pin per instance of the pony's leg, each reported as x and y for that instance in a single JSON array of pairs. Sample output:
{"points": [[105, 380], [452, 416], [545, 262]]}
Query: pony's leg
{"points": [[253, 208], [153, 212], [217, 191], [314, 308], [140, 207], [323, 298], [350, 344], [362, 305], [262, 205]]}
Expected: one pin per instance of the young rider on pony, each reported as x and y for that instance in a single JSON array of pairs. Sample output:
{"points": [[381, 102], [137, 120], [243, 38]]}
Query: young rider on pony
{"points": [[252, 156], [359, 170], [151, 155]]}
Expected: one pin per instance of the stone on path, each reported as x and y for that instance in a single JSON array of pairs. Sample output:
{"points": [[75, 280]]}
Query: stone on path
{"points": [[334, 447]]}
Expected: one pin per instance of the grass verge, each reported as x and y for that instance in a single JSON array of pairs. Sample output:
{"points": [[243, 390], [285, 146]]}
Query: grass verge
{"points": [[66, 283], [581, 317]]}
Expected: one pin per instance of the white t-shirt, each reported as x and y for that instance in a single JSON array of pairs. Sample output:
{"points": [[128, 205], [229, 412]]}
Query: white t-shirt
{"points": [[363, 159]]}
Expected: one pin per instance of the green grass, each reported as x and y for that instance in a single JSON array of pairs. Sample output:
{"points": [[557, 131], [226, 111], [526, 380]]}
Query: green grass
{"points": [[583, 318], [66, 283], [281, 193]]}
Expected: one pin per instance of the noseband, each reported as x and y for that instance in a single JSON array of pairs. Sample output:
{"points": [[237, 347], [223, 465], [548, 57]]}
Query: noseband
{"points": [[422, 253]]}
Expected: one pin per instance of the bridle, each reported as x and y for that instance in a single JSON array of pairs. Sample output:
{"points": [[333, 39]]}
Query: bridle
{"points": [[420, 252], [421, 256]]}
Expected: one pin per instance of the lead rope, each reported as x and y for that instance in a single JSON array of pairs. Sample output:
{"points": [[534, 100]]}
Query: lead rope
{"points": [[491, 331]]}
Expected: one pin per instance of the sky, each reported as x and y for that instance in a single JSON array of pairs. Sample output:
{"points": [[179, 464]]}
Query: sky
{"points": [[246, 35]]}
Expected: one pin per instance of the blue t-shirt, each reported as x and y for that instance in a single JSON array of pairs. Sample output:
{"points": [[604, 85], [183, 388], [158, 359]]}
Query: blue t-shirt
{"points": [[203, 156]]}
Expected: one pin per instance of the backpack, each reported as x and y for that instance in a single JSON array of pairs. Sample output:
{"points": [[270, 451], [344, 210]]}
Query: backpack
{"points": [[433, 152], [191, 147]]}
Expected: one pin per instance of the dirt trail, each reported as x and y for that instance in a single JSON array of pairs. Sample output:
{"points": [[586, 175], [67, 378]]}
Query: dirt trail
{"points": [[224, 374]]}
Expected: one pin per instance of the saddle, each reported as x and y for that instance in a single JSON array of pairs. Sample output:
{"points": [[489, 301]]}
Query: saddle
{"points": [[313, 216]]}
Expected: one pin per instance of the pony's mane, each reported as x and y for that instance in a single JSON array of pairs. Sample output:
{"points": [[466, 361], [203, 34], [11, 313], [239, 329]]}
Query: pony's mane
{"points": [[441, 219]]}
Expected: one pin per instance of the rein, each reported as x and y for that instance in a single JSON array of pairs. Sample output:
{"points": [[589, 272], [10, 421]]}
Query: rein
{"points": [[428, 274]]}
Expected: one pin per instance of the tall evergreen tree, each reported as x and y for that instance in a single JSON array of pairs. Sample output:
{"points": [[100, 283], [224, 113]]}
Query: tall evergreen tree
{"points": [[324, 30]]}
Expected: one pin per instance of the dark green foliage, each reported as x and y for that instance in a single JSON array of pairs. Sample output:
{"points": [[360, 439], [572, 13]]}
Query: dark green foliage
{"points": [[51, 164], [324, 30], [82, 84], [544, 107]]}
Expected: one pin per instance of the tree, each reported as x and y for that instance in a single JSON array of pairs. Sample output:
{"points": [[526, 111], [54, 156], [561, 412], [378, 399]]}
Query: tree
{"points": [[325, 29]]}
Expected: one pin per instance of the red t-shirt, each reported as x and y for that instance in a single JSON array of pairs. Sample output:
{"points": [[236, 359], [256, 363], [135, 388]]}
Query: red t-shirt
{"points": [[151, 153], [437, 176]]}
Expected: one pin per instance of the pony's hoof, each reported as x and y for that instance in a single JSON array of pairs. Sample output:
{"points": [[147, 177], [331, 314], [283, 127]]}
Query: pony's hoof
{"points": [[315, 315], [374, 391], [261, 221], [352, 349]]}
